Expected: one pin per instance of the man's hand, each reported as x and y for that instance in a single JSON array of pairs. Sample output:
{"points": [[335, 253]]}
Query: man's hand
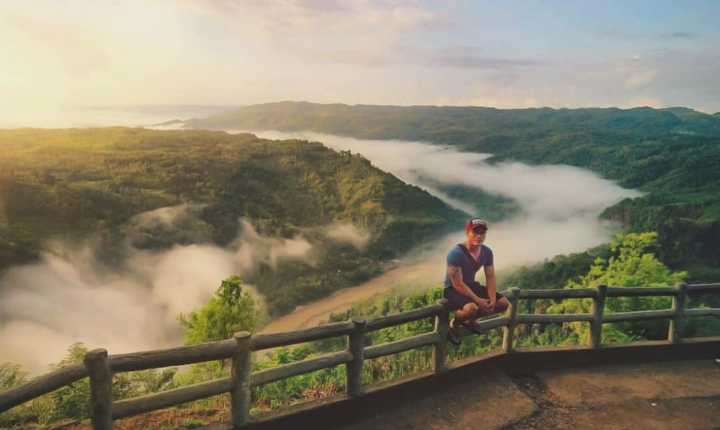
{"points": [[485, 306]]}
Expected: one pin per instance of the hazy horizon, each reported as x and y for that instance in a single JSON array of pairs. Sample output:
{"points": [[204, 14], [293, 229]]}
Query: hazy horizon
{"points": [[419, 52]]}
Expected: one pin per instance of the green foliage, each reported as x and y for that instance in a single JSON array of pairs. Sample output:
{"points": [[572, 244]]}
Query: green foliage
{"points": [[92, 183], [631, 265], [192, 423], [229, 311], [11, 375], [73, 401], [553, 273], [672, 154]]}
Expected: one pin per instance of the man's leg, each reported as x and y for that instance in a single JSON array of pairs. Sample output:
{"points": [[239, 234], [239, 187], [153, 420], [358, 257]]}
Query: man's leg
{"points": [[464, 315], [467, 312], [501, 305]]}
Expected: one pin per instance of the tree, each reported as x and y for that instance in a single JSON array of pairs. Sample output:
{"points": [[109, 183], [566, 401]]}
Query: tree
{"points": [[631, 265], [73, 400], [11, 375], [230, 310]]}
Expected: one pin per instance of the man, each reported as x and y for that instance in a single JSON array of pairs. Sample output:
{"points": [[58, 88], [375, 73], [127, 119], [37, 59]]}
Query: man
{"points": [[465, 295]]}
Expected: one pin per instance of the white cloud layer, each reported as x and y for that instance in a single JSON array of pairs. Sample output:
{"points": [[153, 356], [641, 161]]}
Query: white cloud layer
{"points": [[559, 204], [70, 297]]}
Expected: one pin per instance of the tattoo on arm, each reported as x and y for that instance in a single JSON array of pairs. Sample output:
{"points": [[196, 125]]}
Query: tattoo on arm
{"points": [[454, 273]]}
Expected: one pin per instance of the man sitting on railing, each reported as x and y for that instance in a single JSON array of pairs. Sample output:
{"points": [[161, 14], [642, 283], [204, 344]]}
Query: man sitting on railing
{"points": [[464, 294]]}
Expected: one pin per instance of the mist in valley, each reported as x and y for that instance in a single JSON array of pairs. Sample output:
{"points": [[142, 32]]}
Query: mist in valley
{"points": [[70, 296], [559, 205], [558, 213]]}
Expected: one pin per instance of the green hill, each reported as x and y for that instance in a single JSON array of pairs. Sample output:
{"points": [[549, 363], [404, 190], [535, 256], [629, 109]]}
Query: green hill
{"points": [[672, 154], [77, 184]]}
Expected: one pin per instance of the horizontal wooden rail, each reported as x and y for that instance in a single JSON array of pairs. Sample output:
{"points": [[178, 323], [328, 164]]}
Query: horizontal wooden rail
{"points": [[703, 312], [265, 341], [640, 291], [638, 315], [552, 318], [401, 345], [41, 385], [300, 367], [199, 353], [405, 317], [492, 323], [151, 402], [576, 293], [703, 288], [98, 365]]}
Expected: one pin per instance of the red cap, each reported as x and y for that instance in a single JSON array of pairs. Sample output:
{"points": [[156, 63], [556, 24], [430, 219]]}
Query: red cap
{"points": [[476, 224]]}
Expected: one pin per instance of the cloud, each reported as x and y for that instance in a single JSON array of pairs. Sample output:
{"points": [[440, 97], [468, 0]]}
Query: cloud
{"points": [[473, 57], [680, 35], [640, 79], [99, 51], [252, 249], [559, 204], [166, 216], [639, 36], [559, 209], [347, 233], [273, 19], [451, 57], [69, 296], [292, 24]]}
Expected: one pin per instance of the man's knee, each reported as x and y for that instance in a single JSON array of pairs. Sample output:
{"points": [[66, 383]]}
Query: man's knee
{"points": [[501, 305], [468, 311]]}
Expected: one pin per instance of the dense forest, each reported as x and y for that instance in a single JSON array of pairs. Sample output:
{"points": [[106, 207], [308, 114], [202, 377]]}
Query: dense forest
{"points": [[91, 185], [671, 154], [627, 261], [96, 185]]}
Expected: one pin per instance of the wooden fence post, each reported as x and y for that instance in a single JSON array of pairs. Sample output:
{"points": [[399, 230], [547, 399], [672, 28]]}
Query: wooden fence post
{"points": [[354, 369], [441, 328], [96, 363], [240, 396], [511, 313], [597, 311], [678, 306]]}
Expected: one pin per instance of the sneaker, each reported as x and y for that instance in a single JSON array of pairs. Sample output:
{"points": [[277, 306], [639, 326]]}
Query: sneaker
{"points": [[471, 325], [453, 335]]}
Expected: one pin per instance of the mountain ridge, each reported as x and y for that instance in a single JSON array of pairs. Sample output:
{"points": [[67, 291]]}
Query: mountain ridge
{"points": [[92, 183], [672, 153]]}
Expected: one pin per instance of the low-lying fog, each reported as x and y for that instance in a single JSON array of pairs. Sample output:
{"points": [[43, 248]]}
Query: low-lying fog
{"points": [[559, 206], [70, 297]]}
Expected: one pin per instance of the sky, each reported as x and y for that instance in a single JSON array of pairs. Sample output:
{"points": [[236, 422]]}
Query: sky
{"points": [[506, 54]]}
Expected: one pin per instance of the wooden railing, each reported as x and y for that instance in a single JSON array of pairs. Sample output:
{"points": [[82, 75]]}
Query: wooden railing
{"points": [[100, 367]]}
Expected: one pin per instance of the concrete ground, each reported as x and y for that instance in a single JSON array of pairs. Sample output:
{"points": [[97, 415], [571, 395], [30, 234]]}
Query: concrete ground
{"points": [[665, 395]]}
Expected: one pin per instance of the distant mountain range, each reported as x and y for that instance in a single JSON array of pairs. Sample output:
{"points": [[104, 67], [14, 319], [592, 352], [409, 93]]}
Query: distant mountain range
{"points": [[673, 154]]}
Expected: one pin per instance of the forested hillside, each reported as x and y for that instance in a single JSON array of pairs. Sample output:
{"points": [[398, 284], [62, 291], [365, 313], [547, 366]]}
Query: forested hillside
{"points": [[672, 154], [90, 184]]}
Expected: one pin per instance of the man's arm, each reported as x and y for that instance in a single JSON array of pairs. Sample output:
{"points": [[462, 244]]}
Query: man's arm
{"points": [[491, 283], [455, 275]]}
